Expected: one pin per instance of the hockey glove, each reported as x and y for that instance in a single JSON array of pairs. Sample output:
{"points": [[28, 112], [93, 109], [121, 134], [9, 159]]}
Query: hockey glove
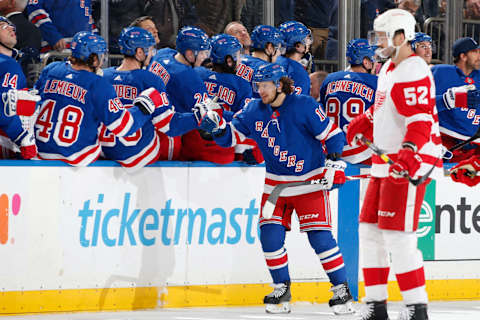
{"points": [[466, 171], [462, 97], [335, 174], [199, 111], [28, 149], [20, 102], [252, 156], [407, 164], [148, 100], [361, 124], [212, 122]]}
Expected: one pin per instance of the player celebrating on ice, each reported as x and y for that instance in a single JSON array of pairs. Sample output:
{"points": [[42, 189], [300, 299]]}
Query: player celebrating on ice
{"points": [[290, 130], [405, 126]]}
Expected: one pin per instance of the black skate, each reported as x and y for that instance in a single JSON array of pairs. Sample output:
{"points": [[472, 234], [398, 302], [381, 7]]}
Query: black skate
{"points": [[373, 310], [414, 312], [342, 301], [279, 300]]}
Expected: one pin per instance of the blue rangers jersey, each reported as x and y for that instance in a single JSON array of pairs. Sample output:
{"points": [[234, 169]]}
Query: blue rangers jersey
{"points": [[75, 104], [143, 146], [296, 72], [11, 77], [233, 92], [345, 95], [290, 139], [458, 123], [246, 69], [59, 19], [183, 84]]}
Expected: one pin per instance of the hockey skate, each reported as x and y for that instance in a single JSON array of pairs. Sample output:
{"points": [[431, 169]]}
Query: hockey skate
{"points": [[279, 300], [342, 301], [414, 312], [374, 310]]}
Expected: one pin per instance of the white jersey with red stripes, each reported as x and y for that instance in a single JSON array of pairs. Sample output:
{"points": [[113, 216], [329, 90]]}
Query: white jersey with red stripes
{"points": [[405, 96]]}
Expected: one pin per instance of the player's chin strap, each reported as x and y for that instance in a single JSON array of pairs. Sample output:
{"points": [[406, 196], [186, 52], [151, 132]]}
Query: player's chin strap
{"points": [[13, 50]]}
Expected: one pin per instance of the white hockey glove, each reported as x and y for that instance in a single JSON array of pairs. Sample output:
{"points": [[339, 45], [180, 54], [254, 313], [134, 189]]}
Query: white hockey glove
{"points": [[213, 123], [457, 97], [148, 100], [335, 174], [20, 102], [28, 148]]}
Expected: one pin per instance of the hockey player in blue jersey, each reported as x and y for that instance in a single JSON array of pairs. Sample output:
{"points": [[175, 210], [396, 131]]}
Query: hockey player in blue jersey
{"points": [[184, 86], [146, 145], [290, 131], [422, 46], [233, 93], [458, 97], [76, 102], [266, 47], [297, 38], [59, 21], [16, 106], [346, 94]]}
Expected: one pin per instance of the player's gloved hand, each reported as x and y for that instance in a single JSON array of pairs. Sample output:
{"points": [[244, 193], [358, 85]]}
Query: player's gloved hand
{"points": [[252, 156], [462, 97], [28, 149], [361, 124], [466, 171], [199, 111], [212, 122], [148, 100], [335, 174], [20, 102], [407, 164]]}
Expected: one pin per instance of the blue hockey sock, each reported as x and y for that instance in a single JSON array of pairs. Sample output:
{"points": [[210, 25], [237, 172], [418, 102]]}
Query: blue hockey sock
{"points": [[272, 238]]}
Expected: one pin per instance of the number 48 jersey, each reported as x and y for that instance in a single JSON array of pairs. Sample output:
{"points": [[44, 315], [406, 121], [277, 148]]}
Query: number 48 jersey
{"points": [[346, 95]]}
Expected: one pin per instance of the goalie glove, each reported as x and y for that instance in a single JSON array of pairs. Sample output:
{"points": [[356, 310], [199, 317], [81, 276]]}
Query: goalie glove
{"points": [[20, 102], [462, 97], [148, 100], [335, 174]]}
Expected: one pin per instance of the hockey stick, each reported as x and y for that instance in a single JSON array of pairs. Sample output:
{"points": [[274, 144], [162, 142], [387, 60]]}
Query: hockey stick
{"points": [[272, 199], [463, 143], [387, 159]]}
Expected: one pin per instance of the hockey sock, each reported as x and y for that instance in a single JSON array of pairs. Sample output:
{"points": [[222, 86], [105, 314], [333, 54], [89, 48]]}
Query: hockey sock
{"points": [[330, 256], [272, 238]]}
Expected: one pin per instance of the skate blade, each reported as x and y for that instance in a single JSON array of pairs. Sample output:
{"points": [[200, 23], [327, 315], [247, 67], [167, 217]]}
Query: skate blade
{"points": [[342, 309], [283, 307]]}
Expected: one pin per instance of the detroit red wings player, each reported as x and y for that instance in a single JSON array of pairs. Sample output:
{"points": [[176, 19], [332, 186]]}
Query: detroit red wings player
{"points": [[405, 126]]}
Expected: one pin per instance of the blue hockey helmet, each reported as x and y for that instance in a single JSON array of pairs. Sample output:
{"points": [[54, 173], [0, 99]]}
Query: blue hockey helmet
{"points": [[192, 38], [420, 37], [357, 49], [268, 72], [85, 43], [294, 32], [264, 34], [132, 38], [8, 22], [224, 45]]}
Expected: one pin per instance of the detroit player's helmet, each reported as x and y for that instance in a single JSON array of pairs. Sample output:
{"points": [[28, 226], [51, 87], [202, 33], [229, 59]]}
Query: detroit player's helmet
{"points": [[420, 37], [294, 32], [85, 43], [357, 49], [264, 34], [7, 21], [192, 38], [390, 22], [224, 45], [268, 72], [132, 38]]}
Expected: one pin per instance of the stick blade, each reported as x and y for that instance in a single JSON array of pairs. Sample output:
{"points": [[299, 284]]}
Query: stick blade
{"points": [[268, 209]]}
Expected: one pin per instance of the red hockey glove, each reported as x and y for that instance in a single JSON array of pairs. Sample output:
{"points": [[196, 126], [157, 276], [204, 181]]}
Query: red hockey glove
{"points": [[20, 102], [150, 99], [407, 164], [361, 124], [466, 171], [458, 97]]}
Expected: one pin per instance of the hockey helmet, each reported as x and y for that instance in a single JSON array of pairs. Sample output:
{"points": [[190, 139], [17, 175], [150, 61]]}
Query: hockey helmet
{"points": [[224, 45], [357, 49], [264, 34], [268, 72], [294, 32], [8, 22], [420, 37], [85, 43], [132, 38], [390, 22], [192, 38]]}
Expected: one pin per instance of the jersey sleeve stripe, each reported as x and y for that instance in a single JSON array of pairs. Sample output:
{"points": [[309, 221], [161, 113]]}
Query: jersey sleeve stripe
{"points": [[145, 156], [162, 121], [322, 136], [39, 17], [122, 125], [419, 117], [81, 158]]}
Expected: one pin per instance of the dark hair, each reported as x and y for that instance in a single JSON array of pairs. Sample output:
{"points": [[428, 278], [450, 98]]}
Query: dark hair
{"points": [[456, 59], [87, 63], [287, 85], [137, 21]]}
